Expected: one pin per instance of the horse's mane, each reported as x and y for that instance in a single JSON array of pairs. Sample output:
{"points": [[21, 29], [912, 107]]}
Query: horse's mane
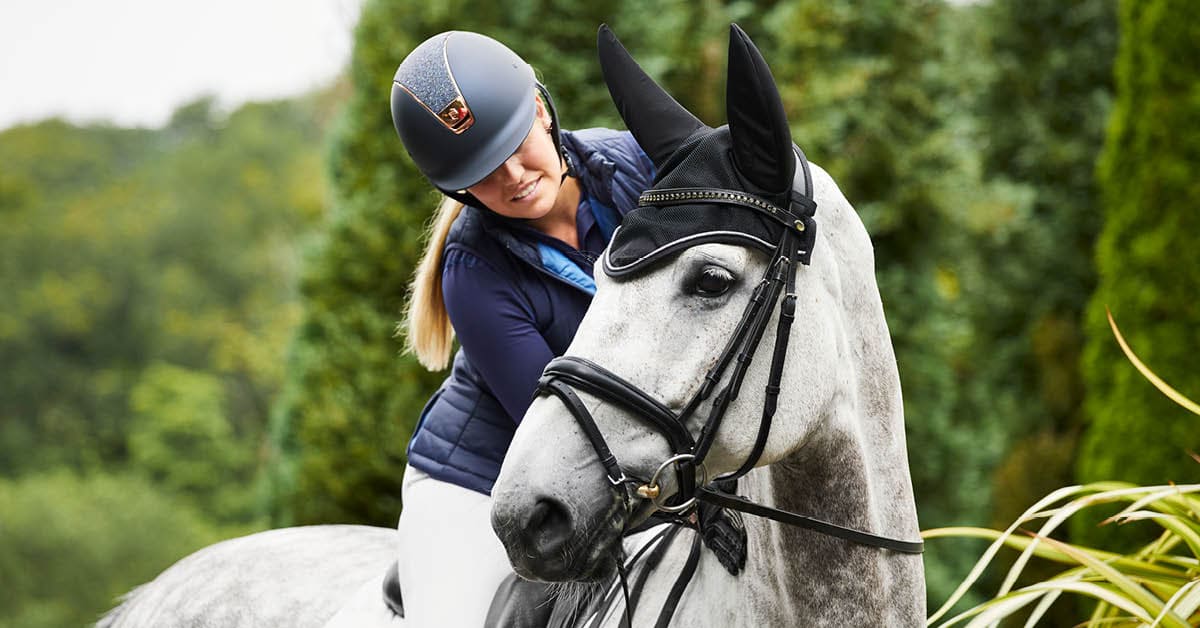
{"points": [[113, 616]]}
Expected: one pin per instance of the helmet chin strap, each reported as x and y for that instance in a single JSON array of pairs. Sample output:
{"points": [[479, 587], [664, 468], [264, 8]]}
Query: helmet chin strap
{"points": [[464, 197], [568, 170], [556, 133]]}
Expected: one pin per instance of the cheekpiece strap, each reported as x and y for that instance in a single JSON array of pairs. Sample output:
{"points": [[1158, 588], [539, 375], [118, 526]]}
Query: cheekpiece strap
{"points": [[806, 208]]}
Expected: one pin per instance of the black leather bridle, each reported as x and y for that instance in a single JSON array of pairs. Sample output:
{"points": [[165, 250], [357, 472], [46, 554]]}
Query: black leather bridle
{"points": [[563, 375]]}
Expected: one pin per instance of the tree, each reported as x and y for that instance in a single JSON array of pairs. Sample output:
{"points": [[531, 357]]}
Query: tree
{"points": [[1042, 115], [1148, 264], [124, 248], [181, 440], [64, 280]]}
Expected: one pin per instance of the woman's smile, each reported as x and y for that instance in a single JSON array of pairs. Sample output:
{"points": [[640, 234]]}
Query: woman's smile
{"points": [[526, 190]]}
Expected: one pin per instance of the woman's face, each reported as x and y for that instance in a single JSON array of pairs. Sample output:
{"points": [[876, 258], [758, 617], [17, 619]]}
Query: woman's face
{"points": [[526, 185]]}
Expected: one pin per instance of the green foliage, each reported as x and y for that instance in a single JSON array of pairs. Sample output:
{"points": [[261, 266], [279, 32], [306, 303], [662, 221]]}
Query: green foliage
{"points": [[1043, 115], [1157, 584], [54, 178], [70, 545], [149, 294], [1148, 264], [181, 439], [121, 249]]}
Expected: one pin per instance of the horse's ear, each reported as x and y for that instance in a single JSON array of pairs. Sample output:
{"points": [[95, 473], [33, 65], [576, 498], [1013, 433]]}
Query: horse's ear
{"points": [[657, 121], [762, 142]]}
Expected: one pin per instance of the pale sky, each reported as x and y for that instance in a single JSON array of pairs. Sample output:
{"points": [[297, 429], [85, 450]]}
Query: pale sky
{"points": [[132, 62]]}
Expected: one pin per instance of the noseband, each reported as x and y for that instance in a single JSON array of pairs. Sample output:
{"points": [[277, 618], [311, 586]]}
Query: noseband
{"points": [[778, 285]]}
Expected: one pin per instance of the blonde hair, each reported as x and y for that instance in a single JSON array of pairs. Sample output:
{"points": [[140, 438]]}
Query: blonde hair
{"points": [[428, 333]]}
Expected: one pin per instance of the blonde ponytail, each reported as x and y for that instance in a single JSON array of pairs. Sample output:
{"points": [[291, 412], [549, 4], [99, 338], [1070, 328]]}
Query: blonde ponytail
{"points": [[429, 334]]}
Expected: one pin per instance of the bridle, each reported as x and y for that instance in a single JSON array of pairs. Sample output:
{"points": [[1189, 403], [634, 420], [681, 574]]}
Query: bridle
{"points": [[778, 285]]}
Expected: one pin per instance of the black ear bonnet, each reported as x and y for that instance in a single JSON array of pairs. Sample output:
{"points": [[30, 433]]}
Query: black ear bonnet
{"points": [[745, 183], [653, 233]]}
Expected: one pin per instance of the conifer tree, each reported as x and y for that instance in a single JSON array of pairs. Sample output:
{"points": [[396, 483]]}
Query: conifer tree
{"points": [[1147, 258], [1042, 119]]}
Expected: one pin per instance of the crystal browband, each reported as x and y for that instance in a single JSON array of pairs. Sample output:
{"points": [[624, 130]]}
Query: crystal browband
{"points": [[680, 196]]}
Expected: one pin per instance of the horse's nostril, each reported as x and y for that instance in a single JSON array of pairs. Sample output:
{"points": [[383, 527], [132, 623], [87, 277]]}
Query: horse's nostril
{"points": [[548, 528]]}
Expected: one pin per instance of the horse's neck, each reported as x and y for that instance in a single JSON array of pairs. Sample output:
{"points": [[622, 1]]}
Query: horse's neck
{"points": [[794, 575], [852, 471], [827, 580]]}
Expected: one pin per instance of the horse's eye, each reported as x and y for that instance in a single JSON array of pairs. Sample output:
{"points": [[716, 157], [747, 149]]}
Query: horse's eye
{"points": [[713, 281]]}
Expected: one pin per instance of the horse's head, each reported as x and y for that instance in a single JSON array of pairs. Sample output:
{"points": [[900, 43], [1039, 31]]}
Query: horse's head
{"points": [[672, 291]]}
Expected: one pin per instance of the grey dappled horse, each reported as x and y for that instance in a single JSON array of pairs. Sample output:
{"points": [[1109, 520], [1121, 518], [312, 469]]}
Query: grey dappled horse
{"points": [[835, 449], [727, 204]]}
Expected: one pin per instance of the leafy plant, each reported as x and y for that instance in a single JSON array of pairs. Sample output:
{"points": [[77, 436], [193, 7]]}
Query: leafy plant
{"points": [[1156, 585]]}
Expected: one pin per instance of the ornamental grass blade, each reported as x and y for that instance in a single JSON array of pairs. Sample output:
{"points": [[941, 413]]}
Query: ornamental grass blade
{"points": [[1134, 567], [1101, 492], [1133, 593], [1102, 593], [992, 616], [1177, 525], [1186, 604], [1092, 494], [1172, 602], [995, 610], [1164, 498], [992, 549], [1165, 388], [1042, 608]]}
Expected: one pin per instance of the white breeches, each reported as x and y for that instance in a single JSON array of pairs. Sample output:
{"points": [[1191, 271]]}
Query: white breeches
{"points": [[450, 560]]}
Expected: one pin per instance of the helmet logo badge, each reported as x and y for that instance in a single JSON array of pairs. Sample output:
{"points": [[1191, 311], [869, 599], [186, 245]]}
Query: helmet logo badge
{"points": [[457, 116]]}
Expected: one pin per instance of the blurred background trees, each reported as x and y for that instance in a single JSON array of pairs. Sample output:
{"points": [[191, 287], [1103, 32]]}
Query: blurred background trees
{"points": [[149, 281], [198, 328], [1147, 265]]}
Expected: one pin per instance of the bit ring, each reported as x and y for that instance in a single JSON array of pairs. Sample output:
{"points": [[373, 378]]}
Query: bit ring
{"points": [[653, 492]]}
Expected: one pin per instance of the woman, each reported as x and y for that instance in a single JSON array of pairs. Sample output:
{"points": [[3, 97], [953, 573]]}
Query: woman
{"points": [[508, 269]]}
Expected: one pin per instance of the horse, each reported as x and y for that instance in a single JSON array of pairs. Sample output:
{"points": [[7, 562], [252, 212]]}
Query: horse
{"points": [[678, 315], [298, 577], [816, 429]]}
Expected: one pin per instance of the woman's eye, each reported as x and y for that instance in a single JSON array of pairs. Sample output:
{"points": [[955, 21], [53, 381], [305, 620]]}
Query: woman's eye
{"points": [[713, 281]]}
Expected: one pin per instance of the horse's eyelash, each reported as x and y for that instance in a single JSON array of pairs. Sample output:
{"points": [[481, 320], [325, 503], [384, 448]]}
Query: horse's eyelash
{"points": [[717, 271]]}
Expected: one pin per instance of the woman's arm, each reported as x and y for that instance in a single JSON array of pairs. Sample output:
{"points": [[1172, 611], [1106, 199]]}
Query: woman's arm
{"points": [[496, 327]]}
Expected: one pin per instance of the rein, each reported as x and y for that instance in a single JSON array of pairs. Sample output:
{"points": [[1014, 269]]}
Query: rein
{"points": [[778, 285]]}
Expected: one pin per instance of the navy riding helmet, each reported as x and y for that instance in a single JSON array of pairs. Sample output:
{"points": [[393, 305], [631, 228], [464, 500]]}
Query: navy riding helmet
{"points": [[462, 104]]}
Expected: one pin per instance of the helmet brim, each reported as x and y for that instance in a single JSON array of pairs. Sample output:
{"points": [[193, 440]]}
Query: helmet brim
{"points": [[491, 153]]}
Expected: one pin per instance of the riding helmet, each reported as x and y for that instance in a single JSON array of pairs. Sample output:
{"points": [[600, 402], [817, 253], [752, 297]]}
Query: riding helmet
{"points": [[462, 104]]}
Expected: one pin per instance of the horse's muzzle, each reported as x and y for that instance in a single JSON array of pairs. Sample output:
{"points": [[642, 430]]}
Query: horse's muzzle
{"points": [[545, 536], [552, 540]]}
